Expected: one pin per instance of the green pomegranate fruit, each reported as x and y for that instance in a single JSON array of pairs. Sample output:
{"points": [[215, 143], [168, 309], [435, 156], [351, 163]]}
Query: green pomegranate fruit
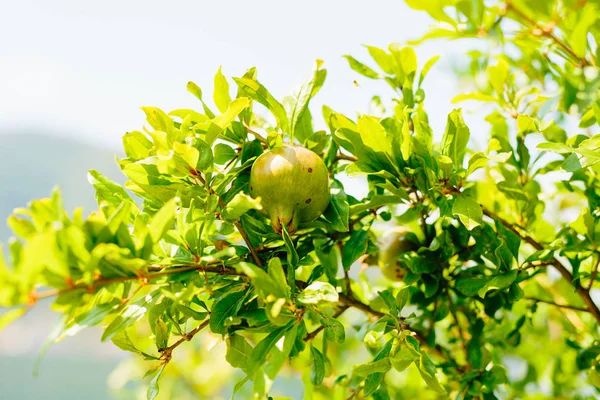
{"points": [[293, 183], [393, 243]]}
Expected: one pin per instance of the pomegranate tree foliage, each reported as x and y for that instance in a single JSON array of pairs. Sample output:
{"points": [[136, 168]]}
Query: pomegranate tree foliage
{"points": [[497, 296]]}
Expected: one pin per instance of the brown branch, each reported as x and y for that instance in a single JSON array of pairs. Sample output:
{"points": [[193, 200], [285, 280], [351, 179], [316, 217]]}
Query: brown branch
{"points": [[556, 263], [594, 273], [314, 333], [352, 301], [214, 267], [342, 156], [256, 134], [536, 264], [570, 307], [253, 251], [167, 352], [347, 301], [547, 33]]}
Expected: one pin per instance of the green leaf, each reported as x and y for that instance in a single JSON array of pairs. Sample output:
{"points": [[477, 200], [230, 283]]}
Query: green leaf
{"points": [[220, 123], [373, 135], [153, 389], [221, 92], [455, 139], [161, 333], [262, 280], [264, 347], [526, 124], [278, 275], [197, 92], [428, 65], [89, 318], [302, 97], [258, 92], [162, 221], [480, 160], [318, 292], [129, 316], [238, 351], [427, 370], [468, 211], [223, 153], [498, 76], [279, 355], [594, 378], [361, 68], [107, 190], [354, 248], [122, 341], [481, 285], [338, 211], [380, 366], [223, 309], [334, 330], [402, 298], [383, 59], [403, 359], [238, 386], [317, 374], [22, 227], [477, 96], [374, 380], [136, 145], [292, 258], [579, 35], [407, 60], [435, 8], [239, 205], [158, 119]]}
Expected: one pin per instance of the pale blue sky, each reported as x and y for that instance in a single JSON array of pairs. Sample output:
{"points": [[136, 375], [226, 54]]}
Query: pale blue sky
{"points": [[84, 68]]}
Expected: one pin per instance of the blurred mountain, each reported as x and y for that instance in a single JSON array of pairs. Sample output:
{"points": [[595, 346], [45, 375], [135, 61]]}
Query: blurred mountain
{"points": [[31, 164]]}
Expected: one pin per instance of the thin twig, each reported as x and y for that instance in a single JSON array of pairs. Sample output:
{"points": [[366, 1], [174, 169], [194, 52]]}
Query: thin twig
{"points": [[570, 307], [556, 263], [547, 33], [256, 134], [167, 352], [594, 273], [342, 156], [209, 267]]}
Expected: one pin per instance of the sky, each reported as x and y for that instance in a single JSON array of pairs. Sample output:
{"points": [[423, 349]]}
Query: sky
{"points": [[84, 69]]}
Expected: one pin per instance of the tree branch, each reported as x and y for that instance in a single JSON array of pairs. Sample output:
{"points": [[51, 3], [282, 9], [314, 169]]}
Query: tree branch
{"points": [[594, 273], [556, 263], [167, 352], [256, 134], [547, 33], [216, 267], [342, 156], [570, 307], [219, 268]]}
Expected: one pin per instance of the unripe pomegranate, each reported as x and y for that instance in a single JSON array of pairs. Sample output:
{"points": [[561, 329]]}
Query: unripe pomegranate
{"points": [[393, 243], [293, 183]]}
